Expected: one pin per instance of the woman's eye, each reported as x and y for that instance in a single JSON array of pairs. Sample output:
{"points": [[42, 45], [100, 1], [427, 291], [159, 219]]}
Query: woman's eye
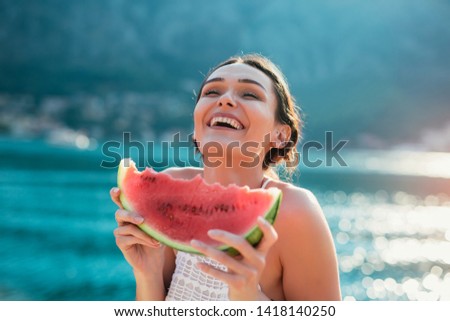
{"points": [[211, 92], [251, 95]]}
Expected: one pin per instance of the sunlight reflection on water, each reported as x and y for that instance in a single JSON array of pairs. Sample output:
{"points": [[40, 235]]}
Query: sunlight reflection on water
{"points": [[57, 223], [416, 163], [391, 248]]}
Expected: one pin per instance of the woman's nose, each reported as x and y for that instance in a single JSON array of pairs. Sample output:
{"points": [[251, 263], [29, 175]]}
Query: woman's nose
{"points": [[226, 100]]}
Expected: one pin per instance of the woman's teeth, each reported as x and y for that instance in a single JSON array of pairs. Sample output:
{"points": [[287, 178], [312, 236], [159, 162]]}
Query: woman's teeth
{"points": [[221, 121]]}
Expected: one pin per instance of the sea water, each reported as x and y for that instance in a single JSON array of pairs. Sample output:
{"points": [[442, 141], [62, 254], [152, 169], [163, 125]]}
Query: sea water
{"points": [[391, 229]]}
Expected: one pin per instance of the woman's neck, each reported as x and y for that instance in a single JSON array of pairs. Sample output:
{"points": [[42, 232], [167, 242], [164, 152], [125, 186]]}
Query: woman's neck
{"points": [[241, 176]]}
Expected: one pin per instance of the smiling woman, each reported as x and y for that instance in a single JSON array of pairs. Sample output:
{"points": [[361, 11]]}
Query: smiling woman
{"points": [[266, 81], [244, 103]]}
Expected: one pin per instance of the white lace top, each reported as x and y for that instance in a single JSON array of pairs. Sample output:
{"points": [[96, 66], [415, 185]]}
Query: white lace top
{"points": [[191, 284]]}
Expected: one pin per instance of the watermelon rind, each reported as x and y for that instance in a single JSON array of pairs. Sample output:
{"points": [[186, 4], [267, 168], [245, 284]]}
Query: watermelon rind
{"points": [[121, 174], [253, 236]]}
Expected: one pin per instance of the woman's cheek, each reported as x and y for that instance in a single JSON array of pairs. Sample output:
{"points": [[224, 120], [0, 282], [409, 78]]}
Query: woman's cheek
{"points": [[199, 116], [261, 132]]}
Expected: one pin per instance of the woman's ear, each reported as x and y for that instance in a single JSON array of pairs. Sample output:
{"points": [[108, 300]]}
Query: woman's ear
{"points": [[281, 136]]}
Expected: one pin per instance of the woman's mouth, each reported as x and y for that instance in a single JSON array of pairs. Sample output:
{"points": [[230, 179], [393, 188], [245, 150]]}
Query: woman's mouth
{"points": [[225, 122]]}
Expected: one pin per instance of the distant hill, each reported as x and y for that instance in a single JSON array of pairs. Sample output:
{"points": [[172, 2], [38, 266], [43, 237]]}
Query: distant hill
{"points": [[373, 72]]}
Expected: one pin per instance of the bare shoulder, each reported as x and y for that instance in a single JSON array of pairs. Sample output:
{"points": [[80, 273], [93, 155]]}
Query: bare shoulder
{"points": [[305, 247], [301, 221], [183, 172], [297, 202]]}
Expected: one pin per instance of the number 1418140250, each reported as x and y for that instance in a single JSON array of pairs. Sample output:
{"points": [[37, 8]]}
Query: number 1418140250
{"points": [[302, 311]]}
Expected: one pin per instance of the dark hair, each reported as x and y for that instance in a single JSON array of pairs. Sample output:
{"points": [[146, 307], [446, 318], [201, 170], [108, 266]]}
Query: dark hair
{"points": [[287, 112]]}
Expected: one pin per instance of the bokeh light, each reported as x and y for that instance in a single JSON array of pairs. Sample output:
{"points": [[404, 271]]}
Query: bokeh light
{"points": [[391, 248]]}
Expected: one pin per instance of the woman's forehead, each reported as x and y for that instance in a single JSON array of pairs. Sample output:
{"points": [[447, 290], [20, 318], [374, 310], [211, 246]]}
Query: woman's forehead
{"points": [[239, 71]]}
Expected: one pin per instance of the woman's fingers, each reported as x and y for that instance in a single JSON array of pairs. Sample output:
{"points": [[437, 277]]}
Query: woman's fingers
{"points": [[237, 272], [126, 242], [242, 275], [233, 240], [127, 228], [133, 235], [219, 256], [115, 196], [234, 279], [243, 246], [270, 236], [124, 216], [253, 259]]}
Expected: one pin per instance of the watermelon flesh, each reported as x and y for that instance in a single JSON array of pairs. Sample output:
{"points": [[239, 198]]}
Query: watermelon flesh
{"points": [[176, 211]]}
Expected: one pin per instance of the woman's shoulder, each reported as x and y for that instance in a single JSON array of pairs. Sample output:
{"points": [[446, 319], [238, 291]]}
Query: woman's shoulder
{"points": [[300, 213], [296, 199], [304, 236], [183, 172]]}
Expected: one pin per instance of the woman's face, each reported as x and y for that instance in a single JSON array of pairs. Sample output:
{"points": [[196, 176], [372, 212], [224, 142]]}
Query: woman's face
{"points": [[237, 106]]}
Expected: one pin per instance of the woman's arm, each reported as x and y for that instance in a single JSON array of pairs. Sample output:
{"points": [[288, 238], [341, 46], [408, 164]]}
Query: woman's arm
{"points": [[152, 263], [151, 287], [307, 252]]}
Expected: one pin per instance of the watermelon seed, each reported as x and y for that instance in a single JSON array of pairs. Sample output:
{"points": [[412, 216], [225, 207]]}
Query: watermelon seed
{"points": [[166, 209], [151, 179]]}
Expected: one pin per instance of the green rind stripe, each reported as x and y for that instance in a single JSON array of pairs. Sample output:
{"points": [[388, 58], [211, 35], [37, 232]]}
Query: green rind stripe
{"points": [[255, 235]]}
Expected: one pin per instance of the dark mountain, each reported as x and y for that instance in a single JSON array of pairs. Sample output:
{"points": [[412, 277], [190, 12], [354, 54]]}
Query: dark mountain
{"points": [[369, 71]]}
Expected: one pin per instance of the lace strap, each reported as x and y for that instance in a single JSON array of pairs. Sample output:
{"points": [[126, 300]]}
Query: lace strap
{"points": [[267, 180]]}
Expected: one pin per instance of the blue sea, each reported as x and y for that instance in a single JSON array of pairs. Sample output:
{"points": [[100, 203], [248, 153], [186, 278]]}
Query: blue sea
{"points": [[389, 213]]}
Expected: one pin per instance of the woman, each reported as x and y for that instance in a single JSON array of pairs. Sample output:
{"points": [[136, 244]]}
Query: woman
{"points": [[243, 103]]}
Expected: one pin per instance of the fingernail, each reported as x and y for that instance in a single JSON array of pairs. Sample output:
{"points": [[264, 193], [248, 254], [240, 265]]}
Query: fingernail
{"points": [[138, 219], [196, 243], [213, 233], [115, 190], [262, 220]]}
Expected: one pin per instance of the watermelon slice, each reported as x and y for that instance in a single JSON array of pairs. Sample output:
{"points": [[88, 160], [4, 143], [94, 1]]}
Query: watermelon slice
{"points": [[175, 211]]}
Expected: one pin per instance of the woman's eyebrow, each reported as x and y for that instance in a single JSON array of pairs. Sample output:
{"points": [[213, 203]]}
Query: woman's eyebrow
{"points": [[251, 81], [214, 80], [245, 80]]}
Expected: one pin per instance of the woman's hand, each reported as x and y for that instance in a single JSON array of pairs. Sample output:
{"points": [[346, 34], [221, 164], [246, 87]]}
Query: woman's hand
{"points": [[142, 252], [244, 272]]}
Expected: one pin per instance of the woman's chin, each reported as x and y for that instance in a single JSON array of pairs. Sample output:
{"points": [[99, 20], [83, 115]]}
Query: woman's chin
{"points": [[227, 147], [218, 145], [221, 139]]}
